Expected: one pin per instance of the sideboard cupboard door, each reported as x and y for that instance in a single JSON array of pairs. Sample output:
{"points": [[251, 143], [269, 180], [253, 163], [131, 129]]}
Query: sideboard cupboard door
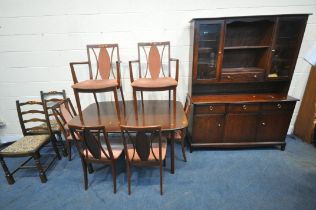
{"points": [[240, 127], [207, 56], [207, 128], [273, 126], [286, 45]]}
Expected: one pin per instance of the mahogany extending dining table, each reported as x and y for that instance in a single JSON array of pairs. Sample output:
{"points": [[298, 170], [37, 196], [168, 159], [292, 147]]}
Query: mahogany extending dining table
{"points": [[151, 112]]}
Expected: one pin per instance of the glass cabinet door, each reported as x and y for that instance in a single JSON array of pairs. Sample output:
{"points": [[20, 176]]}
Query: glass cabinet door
{"points": [[288, 38], [208, 49]]}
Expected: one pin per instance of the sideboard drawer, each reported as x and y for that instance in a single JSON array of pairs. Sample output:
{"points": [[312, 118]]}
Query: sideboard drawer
{"points": [[210, 109], [243, 108], [278, 106], [241, 77]]}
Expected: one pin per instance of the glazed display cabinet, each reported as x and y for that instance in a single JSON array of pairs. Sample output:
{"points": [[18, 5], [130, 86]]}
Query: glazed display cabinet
{"points": [[241, 72]]}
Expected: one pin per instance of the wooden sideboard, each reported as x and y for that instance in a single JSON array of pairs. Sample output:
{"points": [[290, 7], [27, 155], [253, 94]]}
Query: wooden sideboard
{"points": [[241, 72]]}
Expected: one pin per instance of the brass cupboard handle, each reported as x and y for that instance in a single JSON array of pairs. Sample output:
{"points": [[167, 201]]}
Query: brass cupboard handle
{"points": [[244, 107], [211, 108], [219, 125], [279, 106], [263, 124]]}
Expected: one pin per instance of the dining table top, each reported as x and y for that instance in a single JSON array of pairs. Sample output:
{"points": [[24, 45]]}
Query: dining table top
{"points": [[165, 113]]}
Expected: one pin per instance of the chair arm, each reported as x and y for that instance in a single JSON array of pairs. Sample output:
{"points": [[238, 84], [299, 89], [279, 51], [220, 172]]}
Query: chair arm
{"points": [[177, 67], [73, 73], [131, 69]]}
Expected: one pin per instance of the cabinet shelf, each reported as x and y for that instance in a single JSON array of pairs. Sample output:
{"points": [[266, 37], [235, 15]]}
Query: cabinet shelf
{"points": [[243, 69], [208, 40], [246, 47]]}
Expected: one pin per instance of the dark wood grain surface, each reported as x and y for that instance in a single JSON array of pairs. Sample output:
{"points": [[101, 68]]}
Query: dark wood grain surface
{"points": [[153, 112]]}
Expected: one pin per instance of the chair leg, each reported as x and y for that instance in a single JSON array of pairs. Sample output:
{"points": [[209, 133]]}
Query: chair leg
{"points": [[68, 142], [183, 150], [174, 98], [90, 168], [117, 106], [85, 173], [114, 175], [160, 167], [95, 98], [7, 173], [135, 102], [39, 167], [54, 143], [121, 90], [142, 97], [78, 104]]}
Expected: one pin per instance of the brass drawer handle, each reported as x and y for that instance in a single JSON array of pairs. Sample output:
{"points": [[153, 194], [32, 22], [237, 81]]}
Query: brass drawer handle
{"points": [[244, 107], [219, 125], [263, 124], [211, 108], [255, 76], [228, 77], [279, 106]]}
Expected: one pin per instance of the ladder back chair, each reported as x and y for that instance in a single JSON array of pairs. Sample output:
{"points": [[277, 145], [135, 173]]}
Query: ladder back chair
{"points": [[104, 74], [94, 146], [143, 146], [49, 99], [31, 117], [64, 111], [154, 70]]}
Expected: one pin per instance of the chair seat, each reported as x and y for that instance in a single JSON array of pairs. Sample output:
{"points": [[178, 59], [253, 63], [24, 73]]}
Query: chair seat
{"points": [[163, 82], [153, 153], [25, 145], [95, 84]]}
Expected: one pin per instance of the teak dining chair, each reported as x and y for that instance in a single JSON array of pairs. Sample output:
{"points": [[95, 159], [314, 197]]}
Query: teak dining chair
{"points": [[143, 146], [31, 116], [154, 70], [49, 99], [102, 60], [181, 135], [64, 112], [94, 146]]}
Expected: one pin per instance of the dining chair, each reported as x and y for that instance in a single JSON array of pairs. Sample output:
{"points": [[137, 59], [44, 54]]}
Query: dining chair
{"points": [[49, 99], [143, 146], [183, 134], [103, 59], [31, 117], [64, 111], [94, 146], [154, 70]]}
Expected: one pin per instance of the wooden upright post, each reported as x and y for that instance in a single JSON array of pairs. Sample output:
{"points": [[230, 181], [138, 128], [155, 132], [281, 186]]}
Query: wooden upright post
{"points": [[304, 125]]}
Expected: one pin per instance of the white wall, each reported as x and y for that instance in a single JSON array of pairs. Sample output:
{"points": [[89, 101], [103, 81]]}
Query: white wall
{"points": [[38, 38]]}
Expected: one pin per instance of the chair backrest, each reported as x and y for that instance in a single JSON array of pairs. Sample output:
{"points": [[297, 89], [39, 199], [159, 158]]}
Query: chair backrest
{"points": [[92, 142], [33, 117], [154, 60], [64, 111], [104, 61], [142, 139], [50, 98]]}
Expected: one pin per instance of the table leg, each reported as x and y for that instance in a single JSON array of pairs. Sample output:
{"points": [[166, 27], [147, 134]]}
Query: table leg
{"points": [[172, 151]]}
